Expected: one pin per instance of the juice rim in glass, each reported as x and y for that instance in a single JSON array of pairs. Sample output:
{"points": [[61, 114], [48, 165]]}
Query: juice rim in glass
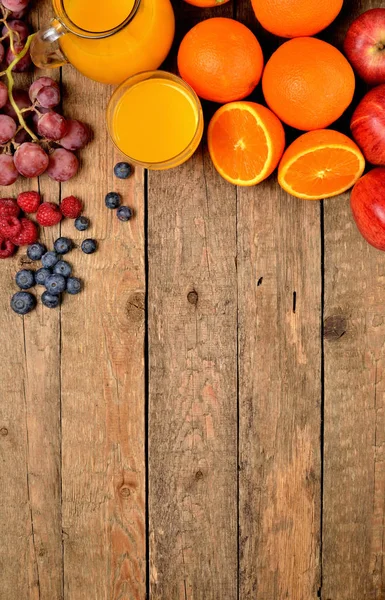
{"points": [[156, 120], [77, 21]]}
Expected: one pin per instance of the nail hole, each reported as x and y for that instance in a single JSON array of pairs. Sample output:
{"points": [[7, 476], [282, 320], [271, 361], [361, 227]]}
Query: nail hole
{"points": [[192, 297]]}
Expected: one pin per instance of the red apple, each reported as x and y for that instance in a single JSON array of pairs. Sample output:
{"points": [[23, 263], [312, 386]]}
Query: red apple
{"points": [[364, 46], [367, 202], [368, 125]]}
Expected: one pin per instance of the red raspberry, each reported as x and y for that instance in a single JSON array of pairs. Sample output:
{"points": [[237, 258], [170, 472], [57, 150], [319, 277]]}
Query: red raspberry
{"points": [[29, 202], [8, 207], [7, 248], [28, 234], [9, 227], [71, 207], [48, 214]]}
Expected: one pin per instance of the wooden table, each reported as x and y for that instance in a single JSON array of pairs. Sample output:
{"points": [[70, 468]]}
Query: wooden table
{"points": [[206, 421]]}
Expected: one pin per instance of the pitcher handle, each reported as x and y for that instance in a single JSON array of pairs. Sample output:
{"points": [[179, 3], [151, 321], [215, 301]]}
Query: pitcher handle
{"points": [[45, 49]]}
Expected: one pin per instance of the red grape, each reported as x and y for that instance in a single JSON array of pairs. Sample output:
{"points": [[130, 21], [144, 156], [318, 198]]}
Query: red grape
{"points": [[3, 94], [62, 165], [8, 171], [52, 126], [49, 100], [36, 86], [23, 64], [30, 160], [20, 28], [22, 100], [36, 116], [2, 52], [15, 5], [49, 96], [77, 136], [7, 129], [19, 14]]}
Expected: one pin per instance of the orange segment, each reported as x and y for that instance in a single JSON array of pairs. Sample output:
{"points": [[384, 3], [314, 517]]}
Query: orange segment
{"points": [[246, 141], [320, 164]]}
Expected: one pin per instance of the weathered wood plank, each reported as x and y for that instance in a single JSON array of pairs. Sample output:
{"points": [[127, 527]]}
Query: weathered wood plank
{"points": [[354, 330], [279, 295], [30, 504], [279, 395], [192, 374], [193, 396], [102, 375]]}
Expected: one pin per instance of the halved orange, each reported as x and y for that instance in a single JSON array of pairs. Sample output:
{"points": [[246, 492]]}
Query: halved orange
{"points": [[246, 141], [320, 164]]}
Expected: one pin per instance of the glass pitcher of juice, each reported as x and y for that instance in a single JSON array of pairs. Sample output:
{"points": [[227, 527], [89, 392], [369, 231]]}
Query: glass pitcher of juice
{"points": [[106, 41]]}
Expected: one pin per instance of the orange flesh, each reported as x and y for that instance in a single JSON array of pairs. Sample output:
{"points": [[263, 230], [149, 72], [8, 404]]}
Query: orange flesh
{"points": [[323, 171], [240, 152]]}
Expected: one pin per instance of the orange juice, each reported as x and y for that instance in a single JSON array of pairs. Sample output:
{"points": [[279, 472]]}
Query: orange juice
{"points": [[140, 45], [96, 15], [156, 120]]}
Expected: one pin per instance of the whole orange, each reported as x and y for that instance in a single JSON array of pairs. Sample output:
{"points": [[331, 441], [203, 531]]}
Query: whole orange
{"points": [[221, 59], [296, 18], [308, 83]]}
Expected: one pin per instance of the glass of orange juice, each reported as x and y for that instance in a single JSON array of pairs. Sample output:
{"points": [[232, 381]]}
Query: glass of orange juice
{"points": [[106, 41], [156, 120]]}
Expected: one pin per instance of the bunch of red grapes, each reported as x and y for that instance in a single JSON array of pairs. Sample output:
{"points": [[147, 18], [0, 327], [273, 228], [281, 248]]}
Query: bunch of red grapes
{"points": [[35, 138]]}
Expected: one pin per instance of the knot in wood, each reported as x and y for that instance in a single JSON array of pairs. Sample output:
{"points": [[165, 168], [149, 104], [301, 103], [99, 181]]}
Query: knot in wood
{"points": [[192, 297], [3, 431], [334, 327], [135, 306], [125, 491]]}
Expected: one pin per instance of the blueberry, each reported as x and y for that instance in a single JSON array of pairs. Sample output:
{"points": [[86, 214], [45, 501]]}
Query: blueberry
{"points": [[112, 200], [49, 260], [36, 251], [50, 300], [62, 268], [63, 245], [123, 170], [25, 279], [124, 213], [82, 223], [55, 284], [89, 246], [23, 302], [41, 275], [74, 285]]}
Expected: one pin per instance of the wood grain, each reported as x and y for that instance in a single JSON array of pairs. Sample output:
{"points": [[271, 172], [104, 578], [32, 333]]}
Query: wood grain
{"points": [[279, 354], [192, 316], [354, 330], [193, 395], [102, 378], [30, 507], [279, 395]]}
